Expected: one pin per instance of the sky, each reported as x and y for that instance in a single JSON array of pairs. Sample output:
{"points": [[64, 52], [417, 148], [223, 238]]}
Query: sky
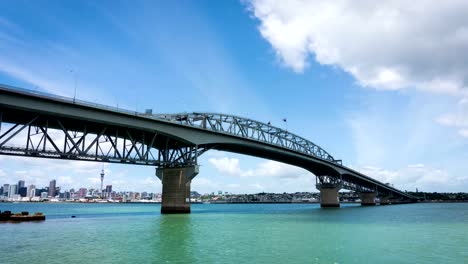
{"points": [[381, 85]]}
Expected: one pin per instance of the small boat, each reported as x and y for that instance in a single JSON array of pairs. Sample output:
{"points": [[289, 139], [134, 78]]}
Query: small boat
{"points": [[21, 217]]}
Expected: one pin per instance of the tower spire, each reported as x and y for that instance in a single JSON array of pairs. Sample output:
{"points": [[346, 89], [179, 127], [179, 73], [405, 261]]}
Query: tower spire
{"points": [[102, 180]]}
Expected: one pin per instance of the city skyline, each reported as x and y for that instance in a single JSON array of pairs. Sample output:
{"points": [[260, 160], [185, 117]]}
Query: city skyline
{"points": [[53, 183], [395, 122]]}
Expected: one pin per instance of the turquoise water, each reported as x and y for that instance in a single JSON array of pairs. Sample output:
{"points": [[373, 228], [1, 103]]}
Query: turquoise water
{"points": [[238, 233]]}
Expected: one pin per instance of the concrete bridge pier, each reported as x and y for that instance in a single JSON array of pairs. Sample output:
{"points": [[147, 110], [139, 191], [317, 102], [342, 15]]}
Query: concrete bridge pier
{"points": [[368, 198], [176, 188], [329, 194], [384, 200]]}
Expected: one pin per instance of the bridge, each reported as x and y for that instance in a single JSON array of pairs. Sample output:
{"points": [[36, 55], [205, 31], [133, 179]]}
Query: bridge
{"points": [[36, 124]]}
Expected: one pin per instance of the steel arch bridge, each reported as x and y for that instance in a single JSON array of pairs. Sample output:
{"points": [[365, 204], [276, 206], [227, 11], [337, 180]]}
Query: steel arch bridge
{"points": [[37, 124]]}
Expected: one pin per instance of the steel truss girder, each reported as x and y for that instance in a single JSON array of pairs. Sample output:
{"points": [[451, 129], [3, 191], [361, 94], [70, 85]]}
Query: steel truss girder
{"points": [[36, 138], [251, 129], [343, 183]]}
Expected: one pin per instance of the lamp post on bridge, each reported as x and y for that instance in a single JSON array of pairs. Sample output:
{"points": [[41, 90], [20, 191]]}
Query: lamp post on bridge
{"points": [[75, 81]]}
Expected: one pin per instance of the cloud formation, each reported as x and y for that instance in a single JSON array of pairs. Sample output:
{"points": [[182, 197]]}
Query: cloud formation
{"points": [[231, 167], [457, 119], [419, 176], [391, 45]]}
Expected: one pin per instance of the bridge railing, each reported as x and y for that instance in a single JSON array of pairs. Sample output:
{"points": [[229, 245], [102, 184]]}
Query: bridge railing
{"points": [[68, 99]]}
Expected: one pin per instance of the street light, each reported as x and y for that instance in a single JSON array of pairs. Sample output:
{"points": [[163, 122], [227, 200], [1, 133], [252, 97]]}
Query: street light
{"points": [[74, 77]]}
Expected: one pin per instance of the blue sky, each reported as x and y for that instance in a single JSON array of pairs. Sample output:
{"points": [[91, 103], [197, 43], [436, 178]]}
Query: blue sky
{"points": [[375, 89]]}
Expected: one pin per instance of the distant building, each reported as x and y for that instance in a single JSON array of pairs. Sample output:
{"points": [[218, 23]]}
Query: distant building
{"points": [[12, 190], [31, 191], [20, 185], [82, 192], [108, 191], [39, 191], [44, 195], [6, 187], [22, 191], [52, 186]]}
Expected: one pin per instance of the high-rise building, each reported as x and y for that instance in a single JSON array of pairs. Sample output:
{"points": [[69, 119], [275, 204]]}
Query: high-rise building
{"points": [[12, 190], [22, 191], [82, 192], [20, 184], [6, 188], [108, 191], [52, 188], [31, 192]]}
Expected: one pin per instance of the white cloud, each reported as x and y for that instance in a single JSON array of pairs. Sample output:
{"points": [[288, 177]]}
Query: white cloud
{"points": [[231, 167], [390, 45], [205, 185], [417, 176], [463, 132], [457, 119], [225, 165]]}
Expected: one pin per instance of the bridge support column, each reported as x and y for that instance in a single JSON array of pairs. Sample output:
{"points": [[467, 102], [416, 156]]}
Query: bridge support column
{"points": [[384, 200], [329, 194], [368, 198], [176, 188]]}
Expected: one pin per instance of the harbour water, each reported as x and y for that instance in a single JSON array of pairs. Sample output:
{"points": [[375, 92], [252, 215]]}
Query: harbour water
{"points": [[237, 233]]}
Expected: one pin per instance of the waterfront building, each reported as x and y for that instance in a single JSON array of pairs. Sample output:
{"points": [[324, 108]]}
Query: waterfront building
{"points": [[52, 187], [31, 191], [15, 197], [40, 190], [12, 190], [109, 191], [44, 195], [20, 184], [82, 192], [6, 188], [22, 191]]}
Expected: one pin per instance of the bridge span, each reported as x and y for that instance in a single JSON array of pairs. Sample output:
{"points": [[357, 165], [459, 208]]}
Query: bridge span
{"points": [[35, 124]]}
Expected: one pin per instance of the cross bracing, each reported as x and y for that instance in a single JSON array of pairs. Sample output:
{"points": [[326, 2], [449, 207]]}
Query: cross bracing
{"points": [[49, 137], [251, 129]]}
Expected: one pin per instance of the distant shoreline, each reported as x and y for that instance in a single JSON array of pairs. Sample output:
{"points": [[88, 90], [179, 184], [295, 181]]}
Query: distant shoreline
{"points": [[347, 202]]}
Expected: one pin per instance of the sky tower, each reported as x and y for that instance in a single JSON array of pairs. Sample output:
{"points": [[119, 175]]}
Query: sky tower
{"points": [[102, 180]]}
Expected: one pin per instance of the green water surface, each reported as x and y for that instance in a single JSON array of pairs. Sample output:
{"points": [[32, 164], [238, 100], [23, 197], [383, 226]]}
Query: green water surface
{"points": [[238, 233]]}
